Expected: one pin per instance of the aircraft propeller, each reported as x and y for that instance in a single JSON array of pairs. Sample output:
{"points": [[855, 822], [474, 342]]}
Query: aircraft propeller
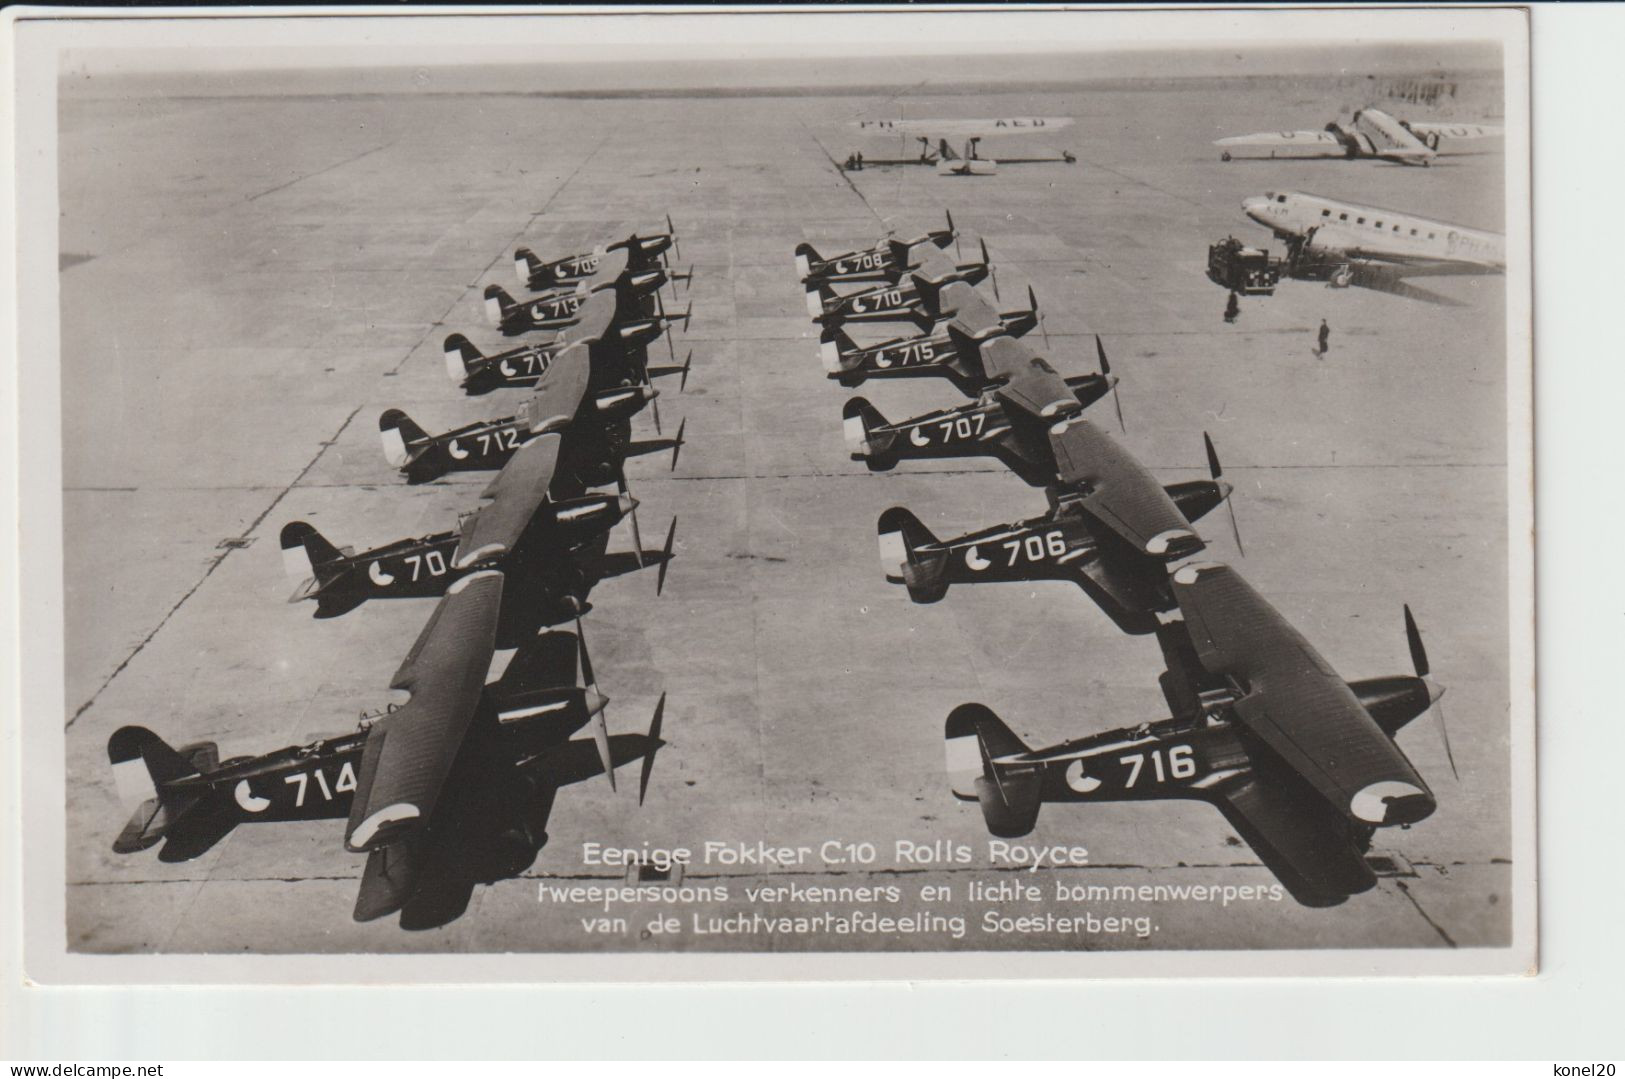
{"points": [[1032, 305], [637, 536], [993, 275], [1419, 663], [671, 230], [677, 444], [958, 253], [600, 733], [654, 745], [1106, 371], [665, 555], [1229, 503]]}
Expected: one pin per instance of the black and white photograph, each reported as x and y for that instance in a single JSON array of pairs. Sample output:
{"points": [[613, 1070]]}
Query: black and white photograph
{"points": [[692, 494]]}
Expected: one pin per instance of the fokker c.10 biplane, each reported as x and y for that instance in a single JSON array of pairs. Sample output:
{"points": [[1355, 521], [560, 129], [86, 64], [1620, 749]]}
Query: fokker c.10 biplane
{"points": [[917, 298], [949, 349], [887, 260], [1068, 543], [1302, 764], [642, 252], [450, 790], [1011, 419]]}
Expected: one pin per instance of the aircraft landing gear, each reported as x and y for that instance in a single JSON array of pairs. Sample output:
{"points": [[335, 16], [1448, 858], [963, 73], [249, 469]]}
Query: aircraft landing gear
{"points": [[1225, 156], [1342, 277]]}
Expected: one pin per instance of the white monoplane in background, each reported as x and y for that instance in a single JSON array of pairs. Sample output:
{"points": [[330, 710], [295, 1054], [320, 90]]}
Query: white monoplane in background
{"points": [[934, 137]]}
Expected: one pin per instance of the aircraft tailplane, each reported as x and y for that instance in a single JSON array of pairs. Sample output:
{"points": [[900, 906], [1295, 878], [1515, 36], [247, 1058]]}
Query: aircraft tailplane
{"points": [[399, 434], [902, 538], [1008, 794], [144, 767], [461, 356]]}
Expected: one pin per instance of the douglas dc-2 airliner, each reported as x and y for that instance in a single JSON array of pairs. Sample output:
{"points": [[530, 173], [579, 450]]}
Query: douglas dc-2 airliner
{"points": [[1327, 238]]}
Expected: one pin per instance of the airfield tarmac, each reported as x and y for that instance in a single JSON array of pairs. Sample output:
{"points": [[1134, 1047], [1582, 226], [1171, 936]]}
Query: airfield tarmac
{"points": [[249, 281]]}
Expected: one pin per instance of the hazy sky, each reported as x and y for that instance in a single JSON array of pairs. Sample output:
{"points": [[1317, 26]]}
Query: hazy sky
{"points": [[1226, 40]]}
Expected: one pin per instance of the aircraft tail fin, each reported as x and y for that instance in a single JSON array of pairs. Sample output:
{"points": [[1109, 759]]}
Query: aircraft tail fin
{"points": [[1009, 793], [399, 435], [860, 421], [144, 767], [498, 304], [525, 265], [806, 255], [819, 297], [910, 555], [310, 561], [461, 356], [834, 346]]}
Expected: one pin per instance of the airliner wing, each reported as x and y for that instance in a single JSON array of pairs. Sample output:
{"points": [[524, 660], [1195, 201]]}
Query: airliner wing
{"points": [[1297, 143], [512, 500], [1119, 491], [965, 129], [1448, 138], [1295, 702], [410, 751]]}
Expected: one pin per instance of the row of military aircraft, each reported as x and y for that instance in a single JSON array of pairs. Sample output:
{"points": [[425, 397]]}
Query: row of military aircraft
{"points": [[454, 787], [1303, 764]]}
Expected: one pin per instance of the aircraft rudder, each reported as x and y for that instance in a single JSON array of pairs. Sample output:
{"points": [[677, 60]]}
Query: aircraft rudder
{"points": [[461, 356]]}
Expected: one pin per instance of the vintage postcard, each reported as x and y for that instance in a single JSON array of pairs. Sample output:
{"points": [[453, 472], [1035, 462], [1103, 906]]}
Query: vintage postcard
{"points": [[699, 495]]}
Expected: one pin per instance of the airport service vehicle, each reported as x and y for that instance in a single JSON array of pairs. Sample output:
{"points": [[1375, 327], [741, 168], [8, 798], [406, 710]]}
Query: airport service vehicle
{"points": [[1303, 765], [1370, 133], [1327, 238], [1069, 543], [1239, 268]]}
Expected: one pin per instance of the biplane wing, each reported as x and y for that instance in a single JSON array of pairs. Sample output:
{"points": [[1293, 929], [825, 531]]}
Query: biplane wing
{"points": [[512, 500], [594, 319], [553, 404], [410, 751], [1028, 382], [1295, 702], [1119, 491], [390, 878], [1312, 848], [972, 315]]}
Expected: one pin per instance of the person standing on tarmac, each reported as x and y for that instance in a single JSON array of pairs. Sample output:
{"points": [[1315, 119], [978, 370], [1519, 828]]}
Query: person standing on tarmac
{"points": [[1325, 338], [1232, 308]]}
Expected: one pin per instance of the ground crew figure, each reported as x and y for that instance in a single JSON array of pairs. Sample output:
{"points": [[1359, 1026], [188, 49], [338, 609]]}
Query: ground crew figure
{"points": [[1325, 337], [1232, 308]]}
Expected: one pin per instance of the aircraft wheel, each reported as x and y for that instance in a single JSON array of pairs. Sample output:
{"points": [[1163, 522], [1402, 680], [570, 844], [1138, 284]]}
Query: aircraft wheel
{"points": [[1342, 277], [1225, 156]]}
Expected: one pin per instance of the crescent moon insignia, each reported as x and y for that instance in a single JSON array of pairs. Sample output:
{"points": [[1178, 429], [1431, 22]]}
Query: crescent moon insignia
{"points": [[917, 436], [378, 576], [1078, 781], [249, 800], [456, 451], [974, 559]]}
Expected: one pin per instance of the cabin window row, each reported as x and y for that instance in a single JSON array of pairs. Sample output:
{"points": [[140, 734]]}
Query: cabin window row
{"points": [[1375, 224]]}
